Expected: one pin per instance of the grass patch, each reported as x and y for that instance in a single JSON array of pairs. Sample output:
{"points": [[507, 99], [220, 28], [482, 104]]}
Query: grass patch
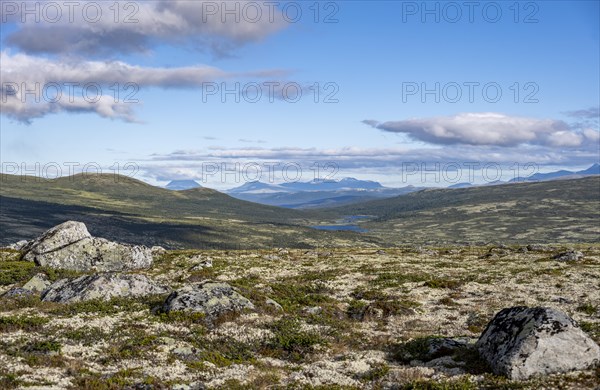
{"points": [[292, 342], [12, 272], [443, 283], [587, 308], [22, 322]]}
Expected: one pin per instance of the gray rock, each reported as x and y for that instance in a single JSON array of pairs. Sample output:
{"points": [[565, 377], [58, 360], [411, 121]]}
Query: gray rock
{"points": [[570, 255], [17, 246], [211, 298], [157, 250], [538, 248], [522, 342], [313, 310], [37, 283], [70, 246], [274, 304], [102, 286], [200, 263], [17, 292]]}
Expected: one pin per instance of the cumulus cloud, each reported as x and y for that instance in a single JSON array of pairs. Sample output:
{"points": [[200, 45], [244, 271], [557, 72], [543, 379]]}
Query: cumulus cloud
{"points": [[21, 72], [95, 27], [486, 129]]}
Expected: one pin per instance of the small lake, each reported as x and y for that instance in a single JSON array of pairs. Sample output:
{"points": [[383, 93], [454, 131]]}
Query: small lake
{"points": [[351, 228]]}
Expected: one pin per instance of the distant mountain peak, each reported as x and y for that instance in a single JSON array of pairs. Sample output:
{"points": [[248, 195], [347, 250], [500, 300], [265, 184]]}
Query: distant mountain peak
{"points": [[181, 185]]}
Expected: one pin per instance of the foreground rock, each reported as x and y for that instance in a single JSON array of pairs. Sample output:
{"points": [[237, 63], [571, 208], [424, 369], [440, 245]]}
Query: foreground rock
{"points": [[102, 286], [211, 298], [70, 246], [34, 286], [522, 342]]}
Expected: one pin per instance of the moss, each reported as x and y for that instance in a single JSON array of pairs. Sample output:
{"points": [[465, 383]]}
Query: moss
{"points": [[461, 384], [443, 283], [291, 341], [377, 372], [12, 272], [22, 322], [416, 349], [44, 346], [587, 308]]}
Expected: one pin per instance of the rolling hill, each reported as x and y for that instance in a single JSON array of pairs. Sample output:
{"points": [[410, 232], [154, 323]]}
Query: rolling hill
{"points": [[549, 211], [122, 208]]}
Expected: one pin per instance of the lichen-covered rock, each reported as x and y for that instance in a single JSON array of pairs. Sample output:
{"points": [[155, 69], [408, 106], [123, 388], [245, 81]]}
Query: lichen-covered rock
{"points": [[58, 237], [199, 262], [102, 286], [37, 283], [521, 342], [570, 255], [70, 246], [213, 299], [17, 292]]}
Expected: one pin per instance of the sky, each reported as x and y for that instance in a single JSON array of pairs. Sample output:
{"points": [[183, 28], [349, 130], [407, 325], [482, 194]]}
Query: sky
{"points": [[429, 93]]}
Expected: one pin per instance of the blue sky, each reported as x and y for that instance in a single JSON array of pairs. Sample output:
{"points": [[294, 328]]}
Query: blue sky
{"points": [[374, 52]]}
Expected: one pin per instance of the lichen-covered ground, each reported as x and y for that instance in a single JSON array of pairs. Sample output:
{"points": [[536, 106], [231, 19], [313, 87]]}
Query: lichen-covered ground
{"points": [[349, 318]]}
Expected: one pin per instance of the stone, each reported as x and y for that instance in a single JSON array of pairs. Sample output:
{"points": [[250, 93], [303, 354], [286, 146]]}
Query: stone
{"points": [[70, 246], [37, 283], [200, 263], [213, 299], [522, 342], [102, 286], [17, 246], [314, 310], [17, 292], [570, 255], [273, 304]]}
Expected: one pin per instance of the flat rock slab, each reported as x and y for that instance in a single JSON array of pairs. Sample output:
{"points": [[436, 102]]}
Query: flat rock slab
{"points": [[102, 286], [70, 246], [211, 298], [522, 342]]}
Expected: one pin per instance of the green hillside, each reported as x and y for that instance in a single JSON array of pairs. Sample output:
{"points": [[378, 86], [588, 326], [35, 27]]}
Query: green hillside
{"points": [[560, 210]]}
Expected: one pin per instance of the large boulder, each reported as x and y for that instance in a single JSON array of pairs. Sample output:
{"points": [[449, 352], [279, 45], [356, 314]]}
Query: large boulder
{"points": [[521, 342], [213, 299], [70, 246], [102, 286]]}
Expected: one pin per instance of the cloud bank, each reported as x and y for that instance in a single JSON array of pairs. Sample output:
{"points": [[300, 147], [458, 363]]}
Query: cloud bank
{"points": [[22, 72], [103, 27], [491, 129]]}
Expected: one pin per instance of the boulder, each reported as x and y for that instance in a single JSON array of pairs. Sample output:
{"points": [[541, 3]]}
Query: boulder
{"points": [[17, 293], [102, 286], [570, 255], [521, 342], [213, 299], [37, 283], [34, 286], [70, 246]]}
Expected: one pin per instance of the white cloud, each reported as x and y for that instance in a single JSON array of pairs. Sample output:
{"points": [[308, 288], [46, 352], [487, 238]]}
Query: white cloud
{"points": [[139, 26], [22, 71], [491, 129]]}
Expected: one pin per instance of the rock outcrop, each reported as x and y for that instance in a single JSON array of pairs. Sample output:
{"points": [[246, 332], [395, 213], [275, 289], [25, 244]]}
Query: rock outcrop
{"points": [[522, 342], [213, 299], [570, 255], [70, 246], [102, 286]]}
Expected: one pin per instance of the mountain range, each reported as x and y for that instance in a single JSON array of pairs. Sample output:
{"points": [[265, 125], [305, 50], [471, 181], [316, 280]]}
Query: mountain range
{"points": [[129, 210], [317, 193]]}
